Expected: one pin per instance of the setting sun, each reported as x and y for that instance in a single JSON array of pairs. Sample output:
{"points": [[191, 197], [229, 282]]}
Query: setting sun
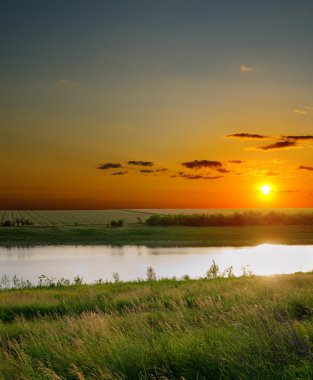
{"points": [[266, 189]]}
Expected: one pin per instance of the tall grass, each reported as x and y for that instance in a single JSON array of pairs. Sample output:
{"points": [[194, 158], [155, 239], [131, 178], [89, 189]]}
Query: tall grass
{"points": [[235, 328]]}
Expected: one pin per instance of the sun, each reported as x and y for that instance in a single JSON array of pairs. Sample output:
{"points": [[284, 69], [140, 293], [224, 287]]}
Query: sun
{"points": [[266, 189]]}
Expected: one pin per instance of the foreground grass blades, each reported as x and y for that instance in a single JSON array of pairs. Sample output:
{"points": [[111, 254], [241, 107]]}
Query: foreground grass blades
{"points": [[249, 327]]}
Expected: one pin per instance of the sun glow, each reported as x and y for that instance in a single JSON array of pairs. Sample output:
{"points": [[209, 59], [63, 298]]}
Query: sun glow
{"points": [[265, 189]]}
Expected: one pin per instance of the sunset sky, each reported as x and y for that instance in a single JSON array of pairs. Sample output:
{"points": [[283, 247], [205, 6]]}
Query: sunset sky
{"points": [[156, 104]]}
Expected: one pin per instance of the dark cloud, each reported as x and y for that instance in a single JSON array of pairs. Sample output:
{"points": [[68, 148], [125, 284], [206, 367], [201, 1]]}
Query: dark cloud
{"points": [[202, 164], [119, 173], [141, 163], [162, 170], [278, 145], [247, 136], [235, 161], [297, 138], [146, 171], [198, 176], [109, 165], [222, 170], [302, 167]]}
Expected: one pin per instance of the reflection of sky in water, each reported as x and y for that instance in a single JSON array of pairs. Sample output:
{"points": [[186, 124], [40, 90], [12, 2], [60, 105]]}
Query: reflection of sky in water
{"points": [[131, 262]]}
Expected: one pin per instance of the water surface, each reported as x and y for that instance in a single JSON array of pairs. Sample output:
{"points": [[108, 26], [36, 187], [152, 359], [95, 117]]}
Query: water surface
{"points": [[131, 262]]}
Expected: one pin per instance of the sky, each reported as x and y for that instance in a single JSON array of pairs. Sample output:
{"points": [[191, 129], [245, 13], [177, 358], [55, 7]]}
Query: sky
{"points": [[156, 104]]}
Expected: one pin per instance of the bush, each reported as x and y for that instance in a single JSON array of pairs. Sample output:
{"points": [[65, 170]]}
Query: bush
{"points": [[151, 275]]}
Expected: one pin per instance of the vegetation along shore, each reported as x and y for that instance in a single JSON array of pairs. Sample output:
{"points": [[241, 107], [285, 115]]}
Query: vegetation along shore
{"points": [[123, 227]]}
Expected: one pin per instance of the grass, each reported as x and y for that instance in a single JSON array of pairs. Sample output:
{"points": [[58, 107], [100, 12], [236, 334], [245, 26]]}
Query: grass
{"points": [[46, 218], [156, 236], [236, 328], [71, 218]]}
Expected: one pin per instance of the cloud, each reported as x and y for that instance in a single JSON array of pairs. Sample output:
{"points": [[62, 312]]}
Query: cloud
{"points": [[202, 164], [299, 137], [119, 173], [222, 170], [235, 161], [287, 191], [245, 69], [141, 163], [162, 170], [300, 111], [278, 145], [244, 136], [303, 111], [109, 165], [146, 171], [302, 167], [190, 176]]}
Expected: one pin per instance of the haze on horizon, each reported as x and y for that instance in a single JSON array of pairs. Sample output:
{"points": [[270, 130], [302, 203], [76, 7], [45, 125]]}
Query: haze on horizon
{"points": [[156, 104]]}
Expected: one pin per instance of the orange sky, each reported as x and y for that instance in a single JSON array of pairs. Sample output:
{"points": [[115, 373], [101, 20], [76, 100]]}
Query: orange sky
{"points": [[209, 102]]}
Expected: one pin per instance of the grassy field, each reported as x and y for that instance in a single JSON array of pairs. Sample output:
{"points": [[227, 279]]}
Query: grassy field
{"points": [[102, 217], [156, 236], [72, 218], [236, 328]]}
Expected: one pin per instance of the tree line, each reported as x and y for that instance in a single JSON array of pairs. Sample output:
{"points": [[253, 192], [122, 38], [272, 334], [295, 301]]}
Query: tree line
{"points": [[16, 223], [249, 218]]}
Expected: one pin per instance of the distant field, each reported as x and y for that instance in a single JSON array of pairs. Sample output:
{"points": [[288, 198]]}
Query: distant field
{"points": [[44, 218], [226, 211], [72, 218]]}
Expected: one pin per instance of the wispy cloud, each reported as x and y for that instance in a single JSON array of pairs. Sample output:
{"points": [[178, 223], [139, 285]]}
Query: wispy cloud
{"points": [[146, 171], [202, 164], [198, 176], [235, 161], [302, 167], [287, 191], [141, 163], [248, 136], [299, 137], [223, 170], [278, 145], [303, 110], [119, 173], [109, 165], [245, 69]]}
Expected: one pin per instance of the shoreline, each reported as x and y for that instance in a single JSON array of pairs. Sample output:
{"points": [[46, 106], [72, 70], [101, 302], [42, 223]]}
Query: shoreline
{"points": [[156, 236]]}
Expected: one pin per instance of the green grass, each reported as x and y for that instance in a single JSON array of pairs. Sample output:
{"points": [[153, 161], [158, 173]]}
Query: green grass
{"points": [[237, 328], [46, 218], [156, 236], [70, 218]]}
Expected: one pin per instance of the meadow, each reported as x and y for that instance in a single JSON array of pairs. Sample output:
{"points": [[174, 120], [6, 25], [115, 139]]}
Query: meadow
{"points": [[48, 218], [221, 328]]}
